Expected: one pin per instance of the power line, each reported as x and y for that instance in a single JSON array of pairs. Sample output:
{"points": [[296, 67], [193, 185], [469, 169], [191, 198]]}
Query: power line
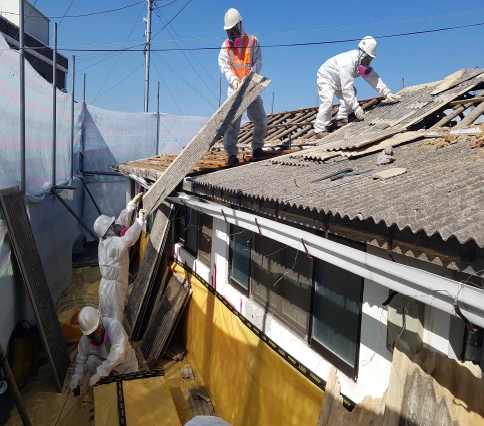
{"points": [[294, 44], [184, 80], [117, 84], [82, 15], [171, 20], [199, 63], [167, 88], [63, 16], [30, 12], [119, 55], [186, 57]]}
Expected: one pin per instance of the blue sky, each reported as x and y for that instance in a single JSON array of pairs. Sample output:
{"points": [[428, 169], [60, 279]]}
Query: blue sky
{"points": [[417, 58]]}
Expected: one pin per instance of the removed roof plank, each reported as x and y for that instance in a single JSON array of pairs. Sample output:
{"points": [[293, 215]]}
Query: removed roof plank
{"points": [[134, 310], [33, 275], [200, 402], [252, 86], [389, 173], [165, 319]]}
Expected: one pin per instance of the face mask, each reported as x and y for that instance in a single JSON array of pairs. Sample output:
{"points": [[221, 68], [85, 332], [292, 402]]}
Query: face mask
{"points": [[364, 70], [98, 340], [234, 36], [123, 231]]}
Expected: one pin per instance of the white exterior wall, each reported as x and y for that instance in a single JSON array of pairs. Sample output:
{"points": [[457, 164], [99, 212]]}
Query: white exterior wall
{"points": [[37, 25], [441, 332]]}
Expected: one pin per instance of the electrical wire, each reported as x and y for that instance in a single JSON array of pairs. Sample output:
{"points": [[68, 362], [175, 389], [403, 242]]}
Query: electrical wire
{"points": [[171, 20], [190, 62], [315, 43], [184, 80], [30, 12], [82, 15], [63, 16], [117, 84], [119, 55], [199, 63], [167, 88]]}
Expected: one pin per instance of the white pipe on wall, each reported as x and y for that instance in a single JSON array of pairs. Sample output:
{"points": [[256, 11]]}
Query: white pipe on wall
{"points": [[425, 287]]}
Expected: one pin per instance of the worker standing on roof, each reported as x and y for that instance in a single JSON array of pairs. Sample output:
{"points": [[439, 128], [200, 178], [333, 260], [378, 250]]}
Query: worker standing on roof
{"points": [[103, 348], [337, 76], [115, 238], [241, 55]]}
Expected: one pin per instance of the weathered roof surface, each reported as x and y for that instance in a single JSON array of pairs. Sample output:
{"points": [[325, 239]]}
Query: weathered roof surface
{"points": [[441, 192]]}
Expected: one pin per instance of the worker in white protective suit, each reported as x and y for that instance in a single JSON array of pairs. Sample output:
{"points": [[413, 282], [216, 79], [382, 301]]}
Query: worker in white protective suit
{"points": [[337, 76], [115, 238], [103, 348], [241, 55]]}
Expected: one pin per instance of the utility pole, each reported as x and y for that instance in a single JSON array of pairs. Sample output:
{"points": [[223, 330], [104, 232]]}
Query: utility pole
{"points": [[147, 20]]}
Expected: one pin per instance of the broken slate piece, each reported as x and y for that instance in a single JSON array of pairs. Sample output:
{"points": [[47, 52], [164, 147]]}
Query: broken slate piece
{"points": [[389, 173], [385, 157], [187, 372]]}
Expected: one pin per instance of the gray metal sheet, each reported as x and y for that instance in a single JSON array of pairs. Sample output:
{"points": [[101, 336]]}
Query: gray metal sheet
{"points": [[27, 255]]}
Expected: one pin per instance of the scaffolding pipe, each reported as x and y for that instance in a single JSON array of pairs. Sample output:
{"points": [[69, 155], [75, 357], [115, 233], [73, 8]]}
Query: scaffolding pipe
{"points": [[272, 109], [12, 385], [158, 120], [22, 97], [72, 114], [90, 194], [220, 93], [84, 90], [54, 106], [73, 213]]}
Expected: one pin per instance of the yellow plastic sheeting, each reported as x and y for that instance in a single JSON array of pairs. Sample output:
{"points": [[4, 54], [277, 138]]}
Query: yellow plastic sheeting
{"points": [[249, 382], [147, 402], [106, 405]]}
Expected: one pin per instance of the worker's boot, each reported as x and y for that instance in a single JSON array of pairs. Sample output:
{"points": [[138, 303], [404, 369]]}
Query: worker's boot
{"points": [[342, 122], [260, 153], [233, 160], [321, 135]]}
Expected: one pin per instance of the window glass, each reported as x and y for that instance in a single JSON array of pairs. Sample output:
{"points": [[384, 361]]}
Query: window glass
{"points": [[336, 311], [240, 243], [205, 238], [281, 281]]}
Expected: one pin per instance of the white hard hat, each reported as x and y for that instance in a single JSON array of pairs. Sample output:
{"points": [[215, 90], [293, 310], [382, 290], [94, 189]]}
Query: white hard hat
{"points": [[89, 320], [368, 45], [102, 224], [232, 18]]}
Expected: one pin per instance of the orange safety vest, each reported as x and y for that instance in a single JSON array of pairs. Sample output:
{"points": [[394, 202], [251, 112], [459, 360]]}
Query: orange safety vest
{"points": [[240, 59]]}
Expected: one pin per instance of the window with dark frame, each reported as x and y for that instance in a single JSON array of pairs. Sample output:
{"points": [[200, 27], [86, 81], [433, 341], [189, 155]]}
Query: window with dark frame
{"points": [[336, 313], [239, 258], [187, 229], [205, 223], [281, 279]]}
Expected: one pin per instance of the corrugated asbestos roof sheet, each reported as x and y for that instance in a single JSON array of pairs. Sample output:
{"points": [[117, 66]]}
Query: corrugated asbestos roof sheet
{"points": [[441, 192]]}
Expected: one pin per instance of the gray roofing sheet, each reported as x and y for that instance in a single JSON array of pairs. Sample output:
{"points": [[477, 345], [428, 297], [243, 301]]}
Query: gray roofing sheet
{"points": [[416, 104], [442, 191]]}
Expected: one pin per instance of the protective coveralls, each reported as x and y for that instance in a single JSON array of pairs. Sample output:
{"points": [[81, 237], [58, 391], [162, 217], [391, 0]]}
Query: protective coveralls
{"points": [[336, 77], [116, 354], [255, 111], [113, 257]]}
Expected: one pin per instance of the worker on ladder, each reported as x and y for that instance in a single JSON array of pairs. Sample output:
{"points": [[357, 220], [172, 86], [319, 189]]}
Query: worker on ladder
{"points": [[337, 77], [241, 55]]}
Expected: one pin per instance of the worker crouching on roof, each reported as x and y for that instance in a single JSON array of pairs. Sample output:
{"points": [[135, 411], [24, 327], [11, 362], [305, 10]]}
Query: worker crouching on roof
{"points": [[337, 77], [241, 55], [115, 238], [103, 348]]}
